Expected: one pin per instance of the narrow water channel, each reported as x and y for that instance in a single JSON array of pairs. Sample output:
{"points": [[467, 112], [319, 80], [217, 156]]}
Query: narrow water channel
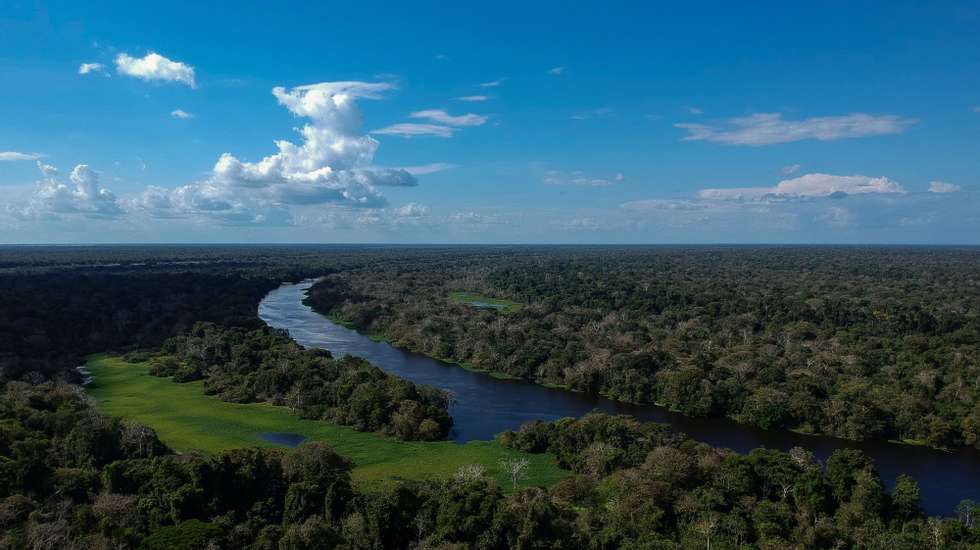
{"points": [[485, 406]]}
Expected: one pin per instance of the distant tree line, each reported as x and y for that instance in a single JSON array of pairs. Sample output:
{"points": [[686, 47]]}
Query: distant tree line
{"points": [[49, 322], [251, 365], [855, 342], [61, 303]]}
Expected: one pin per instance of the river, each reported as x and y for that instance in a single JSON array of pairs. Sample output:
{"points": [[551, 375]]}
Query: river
{"points": [[485, 405]]}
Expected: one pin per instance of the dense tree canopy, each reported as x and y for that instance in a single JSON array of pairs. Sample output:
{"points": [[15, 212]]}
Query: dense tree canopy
{"points": [[71, 478], [264, 364], [854, 342]]}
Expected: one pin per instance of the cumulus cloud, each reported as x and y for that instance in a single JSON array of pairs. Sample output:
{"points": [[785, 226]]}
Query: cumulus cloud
{"points": [[411, 214], [807, 186], [791, 169], [578, 178], [332, 165], [207, 201], [440, 116], [80, 196], [942, 187], [180, 113], [472, 98], [492, 83], [47, 170], [11, 156], [154, 66], [411, 210], [157, 201], [769, 128], [556, 71], [411, 129], [86, 68]]}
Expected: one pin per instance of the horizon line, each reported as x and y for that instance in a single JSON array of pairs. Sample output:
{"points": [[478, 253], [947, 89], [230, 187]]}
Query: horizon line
{"points": [[428, 244]]}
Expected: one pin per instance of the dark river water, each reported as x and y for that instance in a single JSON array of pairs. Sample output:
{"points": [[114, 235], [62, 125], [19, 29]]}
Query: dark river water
{"points": [[485, 406]]}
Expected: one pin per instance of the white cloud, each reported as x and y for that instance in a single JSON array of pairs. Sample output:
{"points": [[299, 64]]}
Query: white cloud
{"points": [[154, 66], [807, 186], [332, 166], [695, 111], [86, 68], [157, 201], [80, 196], [556, 71], [428, 168], [207, 200], [411, 210], [769, 128], [410, 129], [180, 113], [441, 124], [578, 178], [410, 214], [11, 156], [371, 217], [601, 112], [47, 170], [877, 210], [492, 83], [472, 98], [440, 116], [942, 187], [791, 169]]}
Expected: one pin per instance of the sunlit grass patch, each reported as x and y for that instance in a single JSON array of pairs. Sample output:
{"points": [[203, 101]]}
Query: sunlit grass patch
{"points": [[187, 419]]}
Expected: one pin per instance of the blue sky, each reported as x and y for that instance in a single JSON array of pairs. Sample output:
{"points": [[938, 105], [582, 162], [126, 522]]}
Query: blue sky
{"points": [[462, 122]]}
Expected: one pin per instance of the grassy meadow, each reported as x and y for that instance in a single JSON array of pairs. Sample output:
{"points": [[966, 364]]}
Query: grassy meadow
{"points": [[187, 419]]}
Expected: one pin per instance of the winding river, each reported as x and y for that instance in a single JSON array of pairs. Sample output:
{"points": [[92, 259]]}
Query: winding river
{"points": [[485, 406]]}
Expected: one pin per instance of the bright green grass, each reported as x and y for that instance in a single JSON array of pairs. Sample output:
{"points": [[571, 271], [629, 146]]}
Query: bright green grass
{"points": [[469, 298], [185, 419]]}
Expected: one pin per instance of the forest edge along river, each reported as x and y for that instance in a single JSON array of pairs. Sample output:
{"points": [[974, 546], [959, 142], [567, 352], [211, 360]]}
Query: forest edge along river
{"points": [[484, 406]]}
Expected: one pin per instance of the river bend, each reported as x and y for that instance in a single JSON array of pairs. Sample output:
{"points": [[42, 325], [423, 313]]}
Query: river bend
{"points": [[485, 405]]}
